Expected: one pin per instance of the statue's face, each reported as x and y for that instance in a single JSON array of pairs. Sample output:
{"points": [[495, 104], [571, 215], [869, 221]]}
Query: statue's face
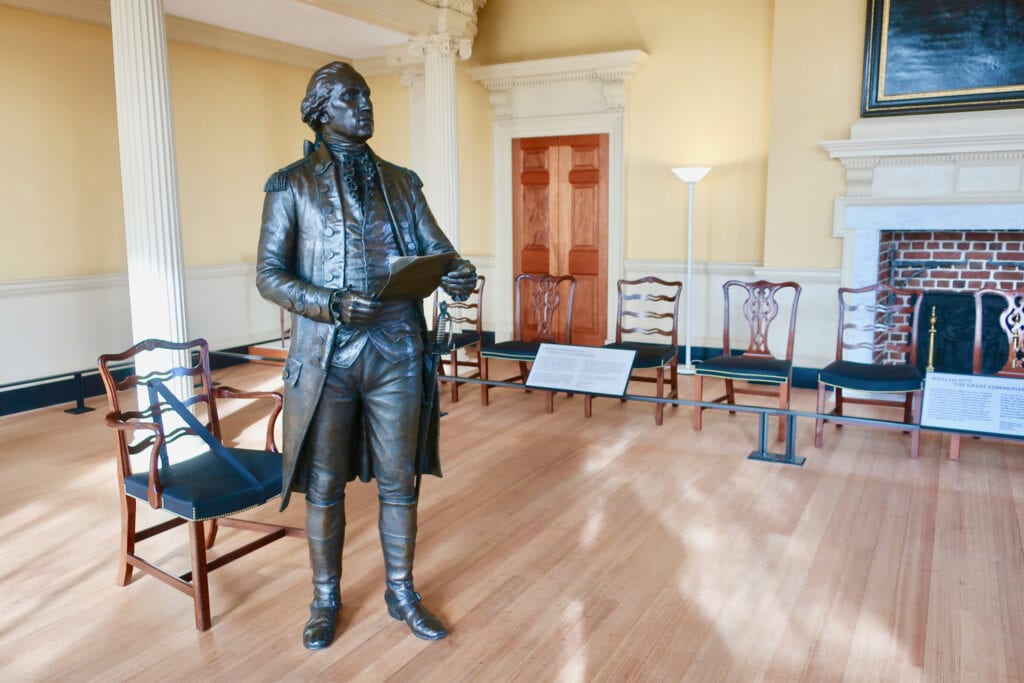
{"points": [[350, 111]]}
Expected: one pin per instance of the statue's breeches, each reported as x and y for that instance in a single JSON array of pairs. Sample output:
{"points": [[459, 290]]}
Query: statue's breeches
{"points": [[386, 398]]}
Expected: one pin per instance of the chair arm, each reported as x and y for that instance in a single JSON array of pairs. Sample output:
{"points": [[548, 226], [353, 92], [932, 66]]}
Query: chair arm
{"points": [[231, 392], [154, 492]]}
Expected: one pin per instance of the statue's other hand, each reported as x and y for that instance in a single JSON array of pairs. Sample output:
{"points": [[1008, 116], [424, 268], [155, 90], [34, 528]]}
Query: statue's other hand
{"points": [[353, 308], [460, 280]]}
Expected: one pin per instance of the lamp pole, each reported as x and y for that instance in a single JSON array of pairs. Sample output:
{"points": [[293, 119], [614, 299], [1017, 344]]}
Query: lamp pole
{"points": [[689, 175]]}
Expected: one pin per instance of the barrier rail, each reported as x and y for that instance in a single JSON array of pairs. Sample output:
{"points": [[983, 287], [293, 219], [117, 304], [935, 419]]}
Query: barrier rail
{"points": [[764, 413]]}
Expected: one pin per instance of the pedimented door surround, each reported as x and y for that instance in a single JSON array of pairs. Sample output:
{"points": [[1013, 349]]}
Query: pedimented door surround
{"points": [[577, 95]]}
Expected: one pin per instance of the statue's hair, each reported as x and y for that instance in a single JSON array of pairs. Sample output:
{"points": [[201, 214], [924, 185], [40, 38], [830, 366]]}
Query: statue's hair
{"points": [[319, 91]]}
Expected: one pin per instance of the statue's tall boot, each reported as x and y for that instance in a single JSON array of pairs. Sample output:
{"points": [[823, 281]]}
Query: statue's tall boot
{"points": [[398, 540], [325, 531]]}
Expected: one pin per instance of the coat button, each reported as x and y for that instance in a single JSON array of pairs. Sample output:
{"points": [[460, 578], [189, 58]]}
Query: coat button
{"points": [[325, 188], [329, 253], [330, 276], [299, 306], [329, 232]]}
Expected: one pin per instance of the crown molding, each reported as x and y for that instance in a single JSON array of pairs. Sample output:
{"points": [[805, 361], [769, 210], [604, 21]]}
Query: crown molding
{"points": [[411, 17]]}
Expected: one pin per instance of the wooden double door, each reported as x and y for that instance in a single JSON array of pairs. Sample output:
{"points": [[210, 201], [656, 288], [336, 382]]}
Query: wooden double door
{"points": [[560, 221]]}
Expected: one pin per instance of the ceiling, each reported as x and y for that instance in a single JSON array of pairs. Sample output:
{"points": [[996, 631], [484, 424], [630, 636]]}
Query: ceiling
{"points": [[293, 22]]}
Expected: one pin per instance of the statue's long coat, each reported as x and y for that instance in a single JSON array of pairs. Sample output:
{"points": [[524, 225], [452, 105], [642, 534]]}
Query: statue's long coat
{"points": [[303, 223]]}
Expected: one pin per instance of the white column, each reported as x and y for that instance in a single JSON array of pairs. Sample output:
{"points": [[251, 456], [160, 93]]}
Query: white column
{"points": [[412, 79], [440, 130], [149, 182]]}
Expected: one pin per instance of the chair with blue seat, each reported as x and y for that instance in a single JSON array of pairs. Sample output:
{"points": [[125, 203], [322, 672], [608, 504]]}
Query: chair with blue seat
{"points": [[758, 367], [649, 306], [466, 318], [202, 489], [876, 355], [543, 314]]}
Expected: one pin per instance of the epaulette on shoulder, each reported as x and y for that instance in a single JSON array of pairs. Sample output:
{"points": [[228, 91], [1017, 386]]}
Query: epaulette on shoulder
{"points": [[278, 181]]}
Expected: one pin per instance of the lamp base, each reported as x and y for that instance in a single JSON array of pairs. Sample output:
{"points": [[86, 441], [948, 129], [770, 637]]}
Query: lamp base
{"points": [[690, 369]]}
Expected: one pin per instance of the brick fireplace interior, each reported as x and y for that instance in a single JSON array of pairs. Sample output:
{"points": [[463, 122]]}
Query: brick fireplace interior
{"points": [[950, 265]]}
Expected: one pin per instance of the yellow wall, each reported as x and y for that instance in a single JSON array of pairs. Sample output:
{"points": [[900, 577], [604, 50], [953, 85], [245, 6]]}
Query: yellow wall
{"points": [[748, 87], [60, 185], [701, 99], [476, 166], [236, 121], [816, 83]]}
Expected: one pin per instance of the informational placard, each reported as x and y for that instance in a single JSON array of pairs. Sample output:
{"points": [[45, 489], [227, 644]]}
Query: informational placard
{"points": [[974, 403], [581, 369]]}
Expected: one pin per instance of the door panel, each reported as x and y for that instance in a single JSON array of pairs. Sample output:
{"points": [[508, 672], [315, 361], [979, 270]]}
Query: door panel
{"points": [[560, 220]]}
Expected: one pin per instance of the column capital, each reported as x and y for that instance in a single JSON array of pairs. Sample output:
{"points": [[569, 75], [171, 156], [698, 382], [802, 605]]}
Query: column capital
{"points": [[443, 44]]}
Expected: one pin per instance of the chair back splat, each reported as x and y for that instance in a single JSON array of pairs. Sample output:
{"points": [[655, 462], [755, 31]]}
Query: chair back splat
{"points": [[876, 355], [648, 308], [757, 365], [543, 314], [202, 490]]}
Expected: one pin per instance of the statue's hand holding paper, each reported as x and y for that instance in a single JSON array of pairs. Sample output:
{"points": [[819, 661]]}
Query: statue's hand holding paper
{"points": [[416, 277]]}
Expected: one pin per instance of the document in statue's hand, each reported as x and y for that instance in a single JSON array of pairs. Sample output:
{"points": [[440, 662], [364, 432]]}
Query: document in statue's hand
{"points": [[415, 277]]}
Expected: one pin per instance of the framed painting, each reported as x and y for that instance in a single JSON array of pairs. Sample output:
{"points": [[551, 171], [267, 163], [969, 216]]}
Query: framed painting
{"points": [[924, 56]]}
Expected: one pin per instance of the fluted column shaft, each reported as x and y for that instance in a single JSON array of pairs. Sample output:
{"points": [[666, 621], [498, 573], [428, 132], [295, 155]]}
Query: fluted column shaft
{"points": [[149, 184], [441, 164]]}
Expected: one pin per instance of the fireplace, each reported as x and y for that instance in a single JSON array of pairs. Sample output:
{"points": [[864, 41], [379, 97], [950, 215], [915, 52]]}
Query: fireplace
{"points": [[935, 202]]}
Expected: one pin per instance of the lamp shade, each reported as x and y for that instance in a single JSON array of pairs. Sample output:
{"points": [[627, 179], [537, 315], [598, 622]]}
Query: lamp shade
{"points": [[691, 174]]}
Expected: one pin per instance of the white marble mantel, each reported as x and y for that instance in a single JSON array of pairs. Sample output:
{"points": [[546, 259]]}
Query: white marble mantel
{"points": [[952, 171]]}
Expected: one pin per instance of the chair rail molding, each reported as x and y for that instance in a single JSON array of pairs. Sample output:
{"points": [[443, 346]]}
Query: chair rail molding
{"points": [[577, 95]]}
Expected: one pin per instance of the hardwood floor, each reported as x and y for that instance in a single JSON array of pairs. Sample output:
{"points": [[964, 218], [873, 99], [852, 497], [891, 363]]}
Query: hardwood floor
{"points": [[555, 547]]}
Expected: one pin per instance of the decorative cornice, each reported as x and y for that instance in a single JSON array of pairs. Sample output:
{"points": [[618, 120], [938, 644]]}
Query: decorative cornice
{"points": [[610, 69], [411, 17], [440, 43]]}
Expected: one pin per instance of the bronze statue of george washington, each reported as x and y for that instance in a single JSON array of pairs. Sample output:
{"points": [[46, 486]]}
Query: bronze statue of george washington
{"points": [[354, 380]]}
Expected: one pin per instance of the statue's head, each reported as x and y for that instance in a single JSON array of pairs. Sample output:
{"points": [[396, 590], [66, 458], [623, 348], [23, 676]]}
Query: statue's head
{"points": [[337, 104]]}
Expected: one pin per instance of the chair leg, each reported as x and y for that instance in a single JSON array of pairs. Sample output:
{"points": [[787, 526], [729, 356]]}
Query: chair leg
{"points": [[124, 570], [819, 423], [484, 400], [659, 410], [954, 447], [523, 372], [587, 399], [783, 405], [211, 532], [454, 364], [550, 401], [730, 395], [200, 584], [915, 436], [698, 395], [839, 406], [908, 407]]}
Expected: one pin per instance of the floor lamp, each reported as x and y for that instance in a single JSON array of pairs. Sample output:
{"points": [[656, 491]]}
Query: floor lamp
{"points": [[689, 175]]}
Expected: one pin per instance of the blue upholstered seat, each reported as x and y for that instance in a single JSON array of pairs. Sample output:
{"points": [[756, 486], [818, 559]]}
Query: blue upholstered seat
{"points": [[871, 377], [747, 368], [647, 355], [206, 486], [512, 350]]}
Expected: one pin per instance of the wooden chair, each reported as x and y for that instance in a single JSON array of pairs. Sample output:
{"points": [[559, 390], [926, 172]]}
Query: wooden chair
{"points": [[467, 320], [200, 491], [880, 323], [757, 365], [1011, 326], [649, 306], [539, 306]]}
